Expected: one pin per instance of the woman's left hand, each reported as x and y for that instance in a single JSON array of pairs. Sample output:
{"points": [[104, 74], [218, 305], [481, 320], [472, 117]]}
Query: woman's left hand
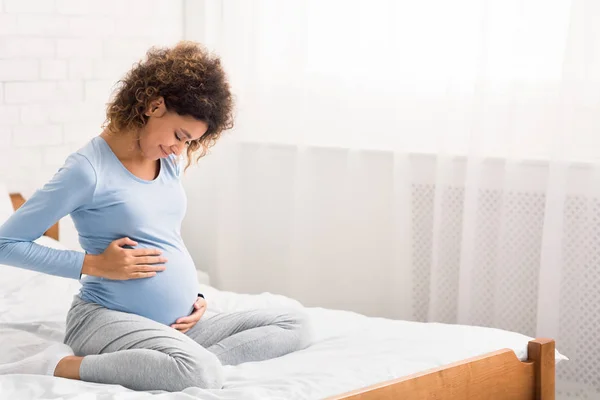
{"points": [[184, 324]]}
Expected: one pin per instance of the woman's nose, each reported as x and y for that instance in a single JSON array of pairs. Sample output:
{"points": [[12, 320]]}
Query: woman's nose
{"points": [[177, 149]]}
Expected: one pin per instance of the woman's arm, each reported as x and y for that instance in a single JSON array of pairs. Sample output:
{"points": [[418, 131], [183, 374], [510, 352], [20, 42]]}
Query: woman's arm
{"points": [[71, 187]]}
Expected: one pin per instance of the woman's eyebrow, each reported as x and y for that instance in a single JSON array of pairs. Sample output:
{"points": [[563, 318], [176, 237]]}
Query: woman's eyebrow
{"points": [[186, 133]]}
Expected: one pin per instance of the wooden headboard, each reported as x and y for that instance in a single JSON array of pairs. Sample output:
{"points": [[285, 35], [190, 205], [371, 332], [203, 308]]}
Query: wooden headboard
{"points": [[18, 200]]}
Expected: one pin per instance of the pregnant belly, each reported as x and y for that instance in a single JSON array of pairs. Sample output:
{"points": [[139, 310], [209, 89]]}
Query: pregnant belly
{"points": [[163, 298]]}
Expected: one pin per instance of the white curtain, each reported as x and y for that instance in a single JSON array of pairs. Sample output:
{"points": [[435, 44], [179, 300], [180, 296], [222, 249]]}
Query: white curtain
{"points": [[430, 160]]}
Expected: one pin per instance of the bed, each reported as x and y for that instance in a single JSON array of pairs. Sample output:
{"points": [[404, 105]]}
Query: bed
{"points": [[352, 356]]}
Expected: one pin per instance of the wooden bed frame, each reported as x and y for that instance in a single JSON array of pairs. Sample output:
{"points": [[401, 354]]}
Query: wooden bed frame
{"points": [[495, 376], [18, 200]]}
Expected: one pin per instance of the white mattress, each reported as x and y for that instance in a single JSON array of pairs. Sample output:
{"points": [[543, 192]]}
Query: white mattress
{"points": [[349, 351]]}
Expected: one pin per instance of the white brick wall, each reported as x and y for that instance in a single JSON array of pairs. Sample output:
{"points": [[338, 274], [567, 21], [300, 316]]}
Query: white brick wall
{"points": [[59, 60]]}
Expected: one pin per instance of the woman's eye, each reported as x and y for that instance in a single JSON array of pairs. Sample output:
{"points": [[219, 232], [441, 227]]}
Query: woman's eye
{"points": [[187, 143]]}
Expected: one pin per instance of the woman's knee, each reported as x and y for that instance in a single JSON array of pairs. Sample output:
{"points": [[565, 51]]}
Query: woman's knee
{"points": [[200, 370], [298, 322], [304, 329]]}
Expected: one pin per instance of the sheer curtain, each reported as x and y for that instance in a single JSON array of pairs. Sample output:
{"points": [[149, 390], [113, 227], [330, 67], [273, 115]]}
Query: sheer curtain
{"points": [[431, 160]]}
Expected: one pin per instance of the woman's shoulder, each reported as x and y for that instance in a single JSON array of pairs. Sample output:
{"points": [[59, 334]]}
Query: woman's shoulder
{"points": [[81, 166], [90, 153], [76, 174]]}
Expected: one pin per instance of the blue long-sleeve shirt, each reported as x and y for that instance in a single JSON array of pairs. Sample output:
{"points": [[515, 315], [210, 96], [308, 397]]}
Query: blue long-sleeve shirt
{"points": [[107, 202]]}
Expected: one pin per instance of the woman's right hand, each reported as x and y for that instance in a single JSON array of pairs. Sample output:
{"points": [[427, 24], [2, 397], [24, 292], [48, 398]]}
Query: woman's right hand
{"points": [[121, 264]]}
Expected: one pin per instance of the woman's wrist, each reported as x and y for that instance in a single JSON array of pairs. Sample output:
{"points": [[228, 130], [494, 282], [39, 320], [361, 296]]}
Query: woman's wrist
{"points": [[90, 264]]}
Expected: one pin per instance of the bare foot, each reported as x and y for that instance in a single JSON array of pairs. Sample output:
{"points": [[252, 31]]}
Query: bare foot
{"points": [[68, 367]]}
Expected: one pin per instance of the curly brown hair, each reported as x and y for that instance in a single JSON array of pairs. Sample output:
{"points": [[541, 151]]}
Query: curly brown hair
{"points": [[192, 83]]}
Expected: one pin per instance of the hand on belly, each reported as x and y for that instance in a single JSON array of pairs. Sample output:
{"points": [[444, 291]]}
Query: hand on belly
{"points": [[184, 324], [119, 263]]}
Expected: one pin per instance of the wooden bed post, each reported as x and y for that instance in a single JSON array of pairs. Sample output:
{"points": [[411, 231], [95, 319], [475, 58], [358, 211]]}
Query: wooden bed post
{"points": [[541, 353]]}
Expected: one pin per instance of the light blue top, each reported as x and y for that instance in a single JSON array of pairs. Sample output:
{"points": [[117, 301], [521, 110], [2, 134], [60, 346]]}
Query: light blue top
{"points": [[107, 202]]}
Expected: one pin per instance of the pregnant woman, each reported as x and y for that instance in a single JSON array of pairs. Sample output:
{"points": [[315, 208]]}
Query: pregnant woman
{"points": [[137, 320]]}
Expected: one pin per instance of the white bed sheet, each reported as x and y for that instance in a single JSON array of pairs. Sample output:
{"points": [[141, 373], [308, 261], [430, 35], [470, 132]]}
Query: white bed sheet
{"points": [[349, 350]]}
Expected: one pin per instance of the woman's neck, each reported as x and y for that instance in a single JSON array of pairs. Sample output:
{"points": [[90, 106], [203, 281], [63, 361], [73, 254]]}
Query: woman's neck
{"points": [[126, 147]]}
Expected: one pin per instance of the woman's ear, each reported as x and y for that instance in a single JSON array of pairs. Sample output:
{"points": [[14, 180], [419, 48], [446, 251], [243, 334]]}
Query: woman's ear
{"points": [[156, 108]]}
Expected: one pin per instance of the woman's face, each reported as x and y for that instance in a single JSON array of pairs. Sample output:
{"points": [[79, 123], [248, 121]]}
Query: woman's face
{"points": [[167, 132]]}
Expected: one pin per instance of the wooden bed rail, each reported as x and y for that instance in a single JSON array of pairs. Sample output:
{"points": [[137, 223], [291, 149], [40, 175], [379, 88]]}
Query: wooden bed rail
{"points": [[495, 376]]}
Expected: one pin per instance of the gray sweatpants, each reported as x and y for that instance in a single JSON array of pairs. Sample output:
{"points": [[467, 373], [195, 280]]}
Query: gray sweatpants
{"points": [[142, 354]]}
